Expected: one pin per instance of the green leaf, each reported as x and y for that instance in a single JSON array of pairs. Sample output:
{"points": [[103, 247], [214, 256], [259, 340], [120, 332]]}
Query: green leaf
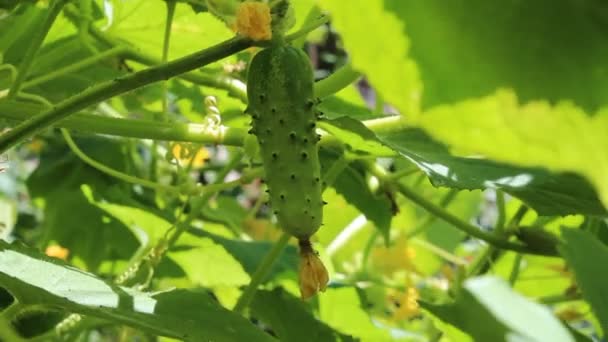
{"points": [[341, 309], [366, 28], [88, 232], [250, 253], [190, 31], [63, 53], [184, 314], [548, 193], [467, 49], [208, 264], [290, 318], [334, 107], [355, 136], [587, 257], [488, 310], [560, 138], [352, 185], [190, 252]]}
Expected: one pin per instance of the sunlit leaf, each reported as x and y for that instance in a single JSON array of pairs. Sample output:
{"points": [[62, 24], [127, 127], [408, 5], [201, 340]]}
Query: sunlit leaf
{"points": [[367, 29], [189, 315], [561, 138], [290, 319], [489, 310], [587, 256], [467, 49]]}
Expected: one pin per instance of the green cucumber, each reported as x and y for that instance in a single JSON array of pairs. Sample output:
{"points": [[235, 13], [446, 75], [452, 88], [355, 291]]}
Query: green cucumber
{"points": [[282, 105]]}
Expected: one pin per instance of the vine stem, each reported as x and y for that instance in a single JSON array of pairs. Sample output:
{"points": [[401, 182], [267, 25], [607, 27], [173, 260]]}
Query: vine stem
{"points": [[34, 46], [115, 173], [515, 269], [335, 82], [148, 129], [119, 86], [443, 214], [261, 273], [444, 202]]}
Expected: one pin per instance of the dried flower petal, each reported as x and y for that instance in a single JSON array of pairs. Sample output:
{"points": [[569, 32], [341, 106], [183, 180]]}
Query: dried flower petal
{"points": [[253, 20], [313, 274]]}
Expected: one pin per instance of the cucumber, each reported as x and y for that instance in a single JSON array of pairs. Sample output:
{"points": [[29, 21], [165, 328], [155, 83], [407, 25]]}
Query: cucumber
{"points": [[282, 106]]}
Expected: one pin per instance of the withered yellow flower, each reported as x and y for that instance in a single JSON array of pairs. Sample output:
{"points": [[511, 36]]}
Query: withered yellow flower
{"points": [[313, 274], [253, 20]]}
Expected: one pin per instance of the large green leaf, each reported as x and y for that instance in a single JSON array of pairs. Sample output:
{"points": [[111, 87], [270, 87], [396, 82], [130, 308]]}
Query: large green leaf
{"points": [[548, 193], [184, 314], [190, 252], [543, 49], [488, 310], [142, 23], [341, 309], [250, 253], [367, 30], [70, 220], [561, 138], [588, 256], [290, 319]]}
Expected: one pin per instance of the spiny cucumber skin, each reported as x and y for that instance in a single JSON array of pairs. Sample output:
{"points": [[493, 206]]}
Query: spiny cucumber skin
{"points": [[282, 106]]}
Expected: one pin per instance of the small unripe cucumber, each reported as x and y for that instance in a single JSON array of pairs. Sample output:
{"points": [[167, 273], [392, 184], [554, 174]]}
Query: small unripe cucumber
{"points": [[280, 93]]}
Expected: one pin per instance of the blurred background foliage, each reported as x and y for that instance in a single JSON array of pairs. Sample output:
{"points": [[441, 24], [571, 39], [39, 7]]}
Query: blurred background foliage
{"points": [[505, 104]]}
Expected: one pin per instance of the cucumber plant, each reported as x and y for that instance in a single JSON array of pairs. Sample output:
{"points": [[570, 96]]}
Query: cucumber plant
{"points": [[284, 119]]}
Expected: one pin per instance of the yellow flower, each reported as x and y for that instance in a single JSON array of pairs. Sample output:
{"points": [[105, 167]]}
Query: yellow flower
{"points": [[253, 20], [313, 274], [184, 153], [57, 251], [405, 304]]}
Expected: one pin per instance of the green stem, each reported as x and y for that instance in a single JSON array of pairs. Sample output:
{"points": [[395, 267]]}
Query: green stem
{"points": [[33, 47], [387, 124], [337, 81], [75, 67], [132, 128], [403, 173], [560, 298], [443, 203], [217, 185], [368, 249], [261, 273], [235, 87], [441, 213], [119, 86], [115, 173], [306, 29], [311, 17], [499, 227], [148, 129], [515, 270], [516, 219], [479, 264], [335, 169], [165, 56], [11, 312]]}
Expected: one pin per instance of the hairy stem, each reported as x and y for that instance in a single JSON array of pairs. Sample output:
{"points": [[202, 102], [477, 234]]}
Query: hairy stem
{"points": [[119, 86]]}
